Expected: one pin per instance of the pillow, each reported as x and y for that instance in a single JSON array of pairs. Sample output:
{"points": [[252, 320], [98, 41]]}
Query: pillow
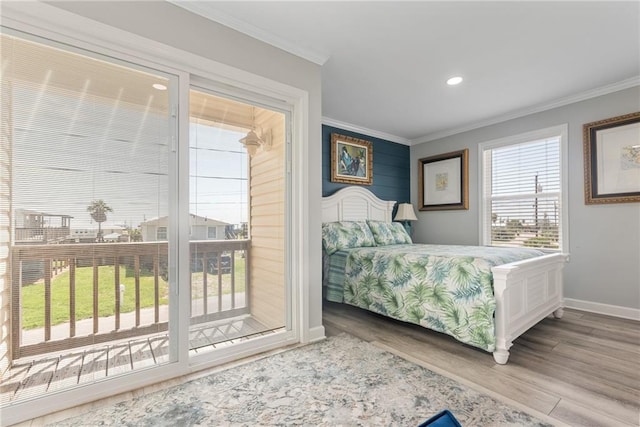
{"points": [[389, 233], [345, 235]]}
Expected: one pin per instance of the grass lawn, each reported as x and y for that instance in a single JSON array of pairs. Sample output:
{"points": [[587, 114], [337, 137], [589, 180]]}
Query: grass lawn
{"points": [[33, 295]]}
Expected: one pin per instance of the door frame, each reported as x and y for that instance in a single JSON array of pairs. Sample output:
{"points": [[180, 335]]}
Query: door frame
{"points": [[50, 22]]}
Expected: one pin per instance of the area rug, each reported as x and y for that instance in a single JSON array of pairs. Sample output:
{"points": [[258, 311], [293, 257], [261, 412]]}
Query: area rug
{"points": [[339, 381]]}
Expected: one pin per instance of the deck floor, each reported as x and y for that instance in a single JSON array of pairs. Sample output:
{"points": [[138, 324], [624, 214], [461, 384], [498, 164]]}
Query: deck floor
{"points": [[43, 374]]}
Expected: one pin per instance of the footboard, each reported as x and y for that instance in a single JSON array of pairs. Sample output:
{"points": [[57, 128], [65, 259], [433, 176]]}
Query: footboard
{"points": [[526, 292]]}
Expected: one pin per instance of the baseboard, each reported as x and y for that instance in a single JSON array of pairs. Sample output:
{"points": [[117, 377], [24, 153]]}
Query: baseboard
{"points": [[609, 310], [316, 334]]}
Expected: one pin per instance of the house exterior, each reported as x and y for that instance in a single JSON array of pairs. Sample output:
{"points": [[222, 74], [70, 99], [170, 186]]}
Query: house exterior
{"points": [[111, 233], [39, 227], [201, 228]]}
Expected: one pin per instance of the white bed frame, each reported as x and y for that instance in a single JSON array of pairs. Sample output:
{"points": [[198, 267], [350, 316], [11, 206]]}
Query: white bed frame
{"points": [[526, 291]]}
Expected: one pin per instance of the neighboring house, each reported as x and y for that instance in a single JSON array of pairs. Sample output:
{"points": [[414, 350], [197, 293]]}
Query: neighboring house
{"points": [[111, 233], [39, 227], [201, 228]]}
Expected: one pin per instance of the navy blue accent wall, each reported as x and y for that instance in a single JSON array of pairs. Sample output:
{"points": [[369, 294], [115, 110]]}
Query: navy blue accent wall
{"points": [[391, 167]]}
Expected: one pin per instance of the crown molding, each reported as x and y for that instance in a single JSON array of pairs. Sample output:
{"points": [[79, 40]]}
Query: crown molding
{"points": [[593, 93], [582, 96], [365, 131], [208, 10]]}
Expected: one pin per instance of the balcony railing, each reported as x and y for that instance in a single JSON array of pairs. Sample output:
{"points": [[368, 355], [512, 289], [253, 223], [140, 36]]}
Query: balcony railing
{"points": [[41, 234], [41, 265]]}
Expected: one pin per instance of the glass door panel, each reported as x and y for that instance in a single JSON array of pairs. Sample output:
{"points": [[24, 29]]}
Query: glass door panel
{"points": [[237, 203], [86, 188]]}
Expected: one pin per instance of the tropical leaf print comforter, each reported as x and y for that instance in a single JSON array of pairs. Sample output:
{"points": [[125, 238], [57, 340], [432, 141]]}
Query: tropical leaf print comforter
{"points": [[441, 287]]}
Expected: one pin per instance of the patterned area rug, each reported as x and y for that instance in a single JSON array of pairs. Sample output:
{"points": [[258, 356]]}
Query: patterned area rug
{"points": [[339, 381]]}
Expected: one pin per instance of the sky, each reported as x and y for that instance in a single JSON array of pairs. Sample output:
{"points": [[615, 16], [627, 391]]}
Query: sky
{"points": [[119, 155]]}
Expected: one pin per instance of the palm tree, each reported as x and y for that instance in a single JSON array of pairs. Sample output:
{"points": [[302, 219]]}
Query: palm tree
{"points": [[135, 235], [98, 210]]}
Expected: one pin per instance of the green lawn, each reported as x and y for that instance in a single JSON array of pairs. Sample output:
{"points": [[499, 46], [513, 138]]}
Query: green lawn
{"points": [[33, 295]]}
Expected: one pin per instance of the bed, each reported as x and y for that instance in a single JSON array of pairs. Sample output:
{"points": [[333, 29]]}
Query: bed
{"points": [[483, 296]]}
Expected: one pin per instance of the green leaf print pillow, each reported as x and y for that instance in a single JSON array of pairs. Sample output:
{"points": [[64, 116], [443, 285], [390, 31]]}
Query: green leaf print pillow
{"points": [[345, 235], [389, 233]]}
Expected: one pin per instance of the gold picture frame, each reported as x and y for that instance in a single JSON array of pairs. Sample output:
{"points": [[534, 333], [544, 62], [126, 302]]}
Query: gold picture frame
{"points": [[612, 160], [351, 160], [443, 181]]}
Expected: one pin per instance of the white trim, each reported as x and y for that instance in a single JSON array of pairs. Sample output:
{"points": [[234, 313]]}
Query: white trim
{"points": [[604, 90], [571, 99], [208, 10], [316, 334], [56, 24], [24, 410], [241, 350], [297, 168], [365, 131], [563, 131], [607, 309]]}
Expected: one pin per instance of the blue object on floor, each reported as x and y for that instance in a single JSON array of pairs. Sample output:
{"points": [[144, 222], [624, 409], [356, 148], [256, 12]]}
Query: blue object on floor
{"points": [[442, 419]]}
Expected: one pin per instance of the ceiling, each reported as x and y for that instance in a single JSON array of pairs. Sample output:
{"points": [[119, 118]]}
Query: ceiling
{"points": [[385, 64]]}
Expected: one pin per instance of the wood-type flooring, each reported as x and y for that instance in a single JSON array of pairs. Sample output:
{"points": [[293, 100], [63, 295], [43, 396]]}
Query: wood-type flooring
{"points": [[581, 370]]}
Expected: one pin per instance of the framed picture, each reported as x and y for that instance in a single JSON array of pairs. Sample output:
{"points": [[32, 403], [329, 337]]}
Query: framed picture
{"points": [[612, 160], [443, 181], [351, 160]]}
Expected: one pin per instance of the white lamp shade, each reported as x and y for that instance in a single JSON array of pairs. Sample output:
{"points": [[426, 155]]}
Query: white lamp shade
{"points": [[405, 213]]}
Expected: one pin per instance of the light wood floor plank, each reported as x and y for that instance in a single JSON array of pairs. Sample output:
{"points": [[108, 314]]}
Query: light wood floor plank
{"points": [[577, 415], [583, 369]]}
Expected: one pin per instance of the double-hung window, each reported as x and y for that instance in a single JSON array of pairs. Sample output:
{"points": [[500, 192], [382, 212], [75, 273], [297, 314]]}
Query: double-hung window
{"points": [[523, 190]]}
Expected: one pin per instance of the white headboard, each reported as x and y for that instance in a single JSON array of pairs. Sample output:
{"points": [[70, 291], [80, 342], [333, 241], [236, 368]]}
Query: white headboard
{"points": [[355, 204]]}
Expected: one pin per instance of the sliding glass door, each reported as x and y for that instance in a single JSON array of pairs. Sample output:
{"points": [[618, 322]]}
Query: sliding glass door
{"points": [[98, 240]]}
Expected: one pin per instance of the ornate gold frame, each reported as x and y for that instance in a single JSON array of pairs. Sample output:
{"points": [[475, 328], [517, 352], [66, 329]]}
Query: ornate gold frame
{"points": [[349, 169]]}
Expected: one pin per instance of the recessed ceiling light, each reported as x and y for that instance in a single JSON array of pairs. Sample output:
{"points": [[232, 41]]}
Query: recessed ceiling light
{"points": [[454, 81], [159, 86]]}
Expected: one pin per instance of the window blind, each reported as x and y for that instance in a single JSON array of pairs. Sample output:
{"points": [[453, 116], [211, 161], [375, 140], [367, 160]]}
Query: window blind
{"points": [[522, 194]]}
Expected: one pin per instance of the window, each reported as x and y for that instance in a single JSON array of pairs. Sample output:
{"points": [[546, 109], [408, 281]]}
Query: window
{"points": [[211, 233], [523, 191], [161, 233]]}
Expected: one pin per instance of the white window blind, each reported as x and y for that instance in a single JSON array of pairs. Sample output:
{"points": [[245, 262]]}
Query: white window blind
{"points": [[522, 191], [84, 130]]}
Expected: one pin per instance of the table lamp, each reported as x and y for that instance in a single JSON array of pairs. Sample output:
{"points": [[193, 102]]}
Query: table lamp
{"points": [[406, 214]]}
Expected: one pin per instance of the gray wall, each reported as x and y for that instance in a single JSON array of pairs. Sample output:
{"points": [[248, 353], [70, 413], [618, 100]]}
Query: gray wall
{"points": [[174, 26], [604, 241]]}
